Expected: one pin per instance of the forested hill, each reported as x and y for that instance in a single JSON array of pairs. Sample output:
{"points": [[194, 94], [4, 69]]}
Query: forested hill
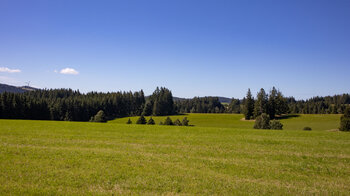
{"points": [[15, 89], [221, 99]]}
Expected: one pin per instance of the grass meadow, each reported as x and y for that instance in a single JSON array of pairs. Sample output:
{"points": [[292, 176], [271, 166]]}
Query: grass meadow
{"points": [[220, 155], [293, 122]]}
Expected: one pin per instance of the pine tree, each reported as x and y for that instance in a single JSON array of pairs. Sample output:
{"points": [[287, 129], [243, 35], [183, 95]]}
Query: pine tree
{"points": [[129, 121], [177, 122], [147, 110], [281, 104], [260, 106], [185, 121], [151, 121], [142, 120], [168, 121], [345, 120], [248, 105], [272, 103]]}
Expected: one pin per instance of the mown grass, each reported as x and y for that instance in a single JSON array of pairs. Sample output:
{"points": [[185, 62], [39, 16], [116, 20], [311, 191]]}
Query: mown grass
{"points": [[315, 121], [70, 158]]}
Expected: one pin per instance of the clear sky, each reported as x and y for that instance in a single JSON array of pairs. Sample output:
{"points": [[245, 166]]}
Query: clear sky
{"points": [[193, 47]]}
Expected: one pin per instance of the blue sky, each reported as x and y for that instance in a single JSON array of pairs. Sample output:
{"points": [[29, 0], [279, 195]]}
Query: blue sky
{"points": [[194, 48]]}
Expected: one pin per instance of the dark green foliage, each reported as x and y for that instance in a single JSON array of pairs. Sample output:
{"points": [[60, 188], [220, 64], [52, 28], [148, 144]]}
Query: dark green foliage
{"points": [[141, 120], [66, 104], [345, 120], [320, 105], [99, 117], [177, 122], [281, 104], [307, 129], [68, 116], [147, 110], [234, 106], [262, 122], [151, 121], [185, 121], [272, 103], [248, 106], [168, 121], [129, 121], [261, 102], [277, 104], [276, 124], [160, 103], [200, 105]]}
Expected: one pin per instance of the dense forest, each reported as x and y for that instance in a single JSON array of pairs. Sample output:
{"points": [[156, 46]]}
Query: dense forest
{"points": [[200, 105], [69, 105]]}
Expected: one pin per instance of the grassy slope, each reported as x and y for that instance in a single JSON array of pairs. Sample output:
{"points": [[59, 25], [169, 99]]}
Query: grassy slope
{"points": [[43, 157], [315, 121]]}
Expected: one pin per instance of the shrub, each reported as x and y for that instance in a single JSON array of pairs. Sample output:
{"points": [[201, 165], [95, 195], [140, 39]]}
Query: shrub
{"points": [[141, 120], [276, 124], [151, 121], [177, 122], [307, 129], [185, 121], [168, 121], [129, 121], [262, 122], [345, 120], [99, 117]]}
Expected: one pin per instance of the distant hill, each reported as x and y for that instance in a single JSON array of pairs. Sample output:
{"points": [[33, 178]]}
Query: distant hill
{"points": [[221, 99], [224, 100], [15, 89], [22, 89]]}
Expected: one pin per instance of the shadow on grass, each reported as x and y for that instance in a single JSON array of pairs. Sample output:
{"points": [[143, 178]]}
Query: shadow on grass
{"points": [[288, 116]]}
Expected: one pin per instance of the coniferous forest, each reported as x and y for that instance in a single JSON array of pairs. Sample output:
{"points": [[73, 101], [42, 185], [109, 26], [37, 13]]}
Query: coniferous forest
{"points": [[70, 105]]}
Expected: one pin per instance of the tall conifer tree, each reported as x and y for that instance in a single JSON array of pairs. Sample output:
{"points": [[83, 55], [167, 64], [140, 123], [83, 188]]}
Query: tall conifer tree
{"points": [[248, 106]]}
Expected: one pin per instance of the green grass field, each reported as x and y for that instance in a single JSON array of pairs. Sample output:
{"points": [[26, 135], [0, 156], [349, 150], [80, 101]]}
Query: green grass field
{"points": [[211, 158], [315, 121]]}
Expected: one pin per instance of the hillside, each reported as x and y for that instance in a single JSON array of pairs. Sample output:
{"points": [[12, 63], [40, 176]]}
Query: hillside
{"points": [[221, 99], [15, 89]]}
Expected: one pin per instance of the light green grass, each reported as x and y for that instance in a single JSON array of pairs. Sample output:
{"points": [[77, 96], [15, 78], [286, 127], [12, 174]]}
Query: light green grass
{"points": [[315, 121], [73, 158]]}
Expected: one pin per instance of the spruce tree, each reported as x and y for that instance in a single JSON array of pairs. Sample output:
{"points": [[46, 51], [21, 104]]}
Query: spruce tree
{"points": [[281, 104], [141, 120], [260, 106], [151, 121], [129, 121], [185, 121], [248, 105], [272, 103], [345, 120], [168, 121], [177, 122]]}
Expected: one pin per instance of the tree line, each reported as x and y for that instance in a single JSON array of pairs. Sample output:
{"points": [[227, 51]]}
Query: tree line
{"points": [[70, 105], [320, 105], [273, 103], [199, 105]]}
